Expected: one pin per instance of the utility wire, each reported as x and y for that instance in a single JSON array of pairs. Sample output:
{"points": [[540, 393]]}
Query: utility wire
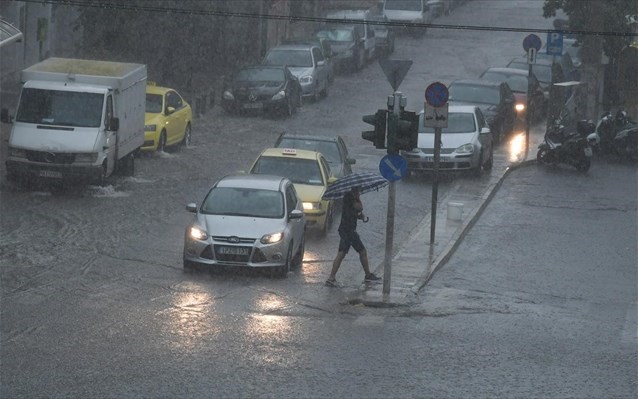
{"points": [[125, 6]]}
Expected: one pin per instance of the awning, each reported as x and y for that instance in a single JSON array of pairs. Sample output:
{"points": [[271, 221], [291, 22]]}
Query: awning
{"points": [[8, 33]]}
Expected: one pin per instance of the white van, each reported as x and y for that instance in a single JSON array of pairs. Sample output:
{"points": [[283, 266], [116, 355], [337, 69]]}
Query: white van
{"points": [[408, 12]]}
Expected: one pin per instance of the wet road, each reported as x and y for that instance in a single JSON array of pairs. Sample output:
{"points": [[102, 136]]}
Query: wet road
{"points": [[95, 303]]}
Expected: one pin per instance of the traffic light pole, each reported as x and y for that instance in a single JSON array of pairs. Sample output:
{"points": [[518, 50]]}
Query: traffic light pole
{"points": [[394, 106]]}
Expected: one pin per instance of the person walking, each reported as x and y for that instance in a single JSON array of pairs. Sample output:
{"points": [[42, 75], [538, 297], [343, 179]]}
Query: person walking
{"points": [[351, 212]]}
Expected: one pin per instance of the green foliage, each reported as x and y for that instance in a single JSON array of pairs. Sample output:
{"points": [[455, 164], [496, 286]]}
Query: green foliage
{"points": [[609, 15]]}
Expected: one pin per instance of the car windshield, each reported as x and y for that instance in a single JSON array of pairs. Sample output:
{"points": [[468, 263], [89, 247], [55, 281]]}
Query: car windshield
{"points": [[261, 75], [300, 171], [61, 108], [153, 103], [292, 58], [474, 94], [329, 149], [457, 122], [248, 202], [517, 83], [403, 5], [336, 35]]}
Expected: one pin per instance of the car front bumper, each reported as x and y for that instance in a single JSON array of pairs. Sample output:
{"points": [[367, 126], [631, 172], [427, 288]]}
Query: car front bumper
{"points": [[260, 104], [424, 161], [248, 253]]}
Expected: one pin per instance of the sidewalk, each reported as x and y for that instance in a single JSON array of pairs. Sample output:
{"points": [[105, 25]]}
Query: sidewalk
{"points": [[417, 260]]}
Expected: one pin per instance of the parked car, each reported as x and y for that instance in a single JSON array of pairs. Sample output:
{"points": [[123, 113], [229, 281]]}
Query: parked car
{"points": [[543, 69], [326, 49], [520, 82], [311, 175], [247, 220], [331, 147], [409, 12], [466, 143], [167, 119], [570, 72], [495, 99], [383, 35], [439, 7], [365, 29], [347, 46], [268, 89], [306, 62]]}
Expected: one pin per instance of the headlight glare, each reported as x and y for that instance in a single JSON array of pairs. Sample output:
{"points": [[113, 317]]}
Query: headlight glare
{"points": [[311, 206], [227, 95], [520, 107], [272, 238], [198, 233]]}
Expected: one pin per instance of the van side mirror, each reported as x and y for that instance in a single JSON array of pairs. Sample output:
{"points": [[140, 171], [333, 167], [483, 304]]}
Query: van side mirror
{"points": [[4, 116], [114, 124]]}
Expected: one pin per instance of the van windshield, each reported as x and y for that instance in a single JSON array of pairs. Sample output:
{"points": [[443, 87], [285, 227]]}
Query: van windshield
{"points": [[60, 108], [404, 5]]}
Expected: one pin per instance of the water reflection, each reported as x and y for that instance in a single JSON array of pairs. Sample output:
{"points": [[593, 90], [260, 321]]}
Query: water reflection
{"points": [[192, 318], [517, 148]]}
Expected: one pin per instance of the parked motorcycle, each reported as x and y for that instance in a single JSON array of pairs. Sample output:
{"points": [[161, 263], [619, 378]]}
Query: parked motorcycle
{"points": [[562, 147], [615, 135]]}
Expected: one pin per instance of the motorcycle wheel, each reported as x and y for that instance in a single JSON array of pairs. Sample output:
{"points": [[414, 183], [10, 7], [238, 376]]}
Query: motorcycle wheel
{"points": [[583, 165], [543, 156]]}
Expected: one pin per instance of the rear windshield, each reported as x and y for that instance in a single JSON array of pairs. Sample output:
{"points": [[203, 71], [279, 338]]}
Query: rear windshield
{"points": [[406, 5], [517, 83], [474, 94], [457, 122], [300, 171]]}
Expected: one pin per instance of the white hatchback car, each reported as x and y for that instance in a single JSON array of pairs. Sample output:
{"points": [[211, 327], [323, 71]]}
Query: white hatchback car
{"points": [[247, 220], [466, 144]]}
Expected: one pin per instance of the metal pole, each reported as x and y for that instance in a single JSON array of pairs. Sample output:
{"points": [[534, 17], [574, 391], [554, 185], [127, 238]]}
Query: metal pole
{"points": [[528, 116], [435, 185], [389, 236]]}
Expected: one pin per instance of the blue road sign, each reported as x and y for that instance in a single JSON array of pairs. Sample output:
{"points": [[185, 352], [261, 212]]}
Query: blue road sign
{"points": [[554, 43], [393, 167], [532, 41], [436, 94]]}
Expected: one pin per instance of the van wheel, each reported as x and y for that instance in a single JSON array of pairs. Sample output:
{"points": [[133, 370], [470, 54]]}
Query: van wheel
{"points": [[103, 177]]}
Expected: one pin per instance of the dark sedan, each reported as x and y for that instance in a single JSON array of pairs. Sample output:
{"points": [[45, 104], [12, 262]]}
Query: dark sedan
{"points": [[347, 47], [495, 99], [520, 81], [269, 89]]}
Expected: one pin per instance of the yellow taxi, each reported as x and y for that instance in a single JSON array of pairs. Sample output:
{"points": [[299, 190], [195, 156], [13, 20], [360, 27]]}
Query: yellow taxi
{"points": [[167, 120], [310, 173]]}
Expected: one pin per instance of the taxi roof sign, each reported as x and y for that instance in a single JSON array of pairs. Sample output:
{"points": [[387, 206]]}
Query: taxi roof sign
{"points": [[289, 151]]}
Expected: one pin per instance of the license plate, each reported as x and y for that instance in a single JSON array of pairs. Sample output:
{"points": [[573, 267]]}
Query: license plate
{"points": [[233, 250], [51, 173], [588, 152], [253, 105]]}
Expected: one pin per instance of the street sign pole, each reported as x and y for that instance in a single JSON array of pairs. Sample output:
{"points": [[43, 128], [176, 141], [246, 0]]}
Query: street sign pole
{"points": [[531, 44], [528, 115], [435, 185]]}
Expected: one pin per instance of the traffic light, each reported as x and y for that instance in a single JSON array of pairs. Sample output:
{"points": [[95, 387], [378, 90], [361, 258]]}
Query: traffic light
{"points": [[408, 135], [377, 136], [403, 131]]}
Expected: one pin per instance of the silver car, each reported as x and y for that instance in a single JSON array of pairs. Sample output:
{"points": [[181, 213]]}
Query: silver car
{"points": [[466, 144], [307, 63], [247, 220]]}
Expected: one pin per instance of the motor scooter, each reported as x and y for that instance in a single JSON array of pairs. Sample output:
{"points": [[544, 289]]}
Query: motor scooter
{"points": [[616, 136], [561, 147]]}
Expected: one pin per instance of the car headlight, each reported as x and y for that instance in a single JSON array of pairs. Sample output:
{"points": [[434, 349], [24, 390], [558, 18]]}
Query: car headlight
{"points": [[17, 152], [279, 95], [272, 238], [228, 95], [305, 79], [90, 157], [465, 149], [150, 128], [198, 233], [520, 107], [311, 206]]}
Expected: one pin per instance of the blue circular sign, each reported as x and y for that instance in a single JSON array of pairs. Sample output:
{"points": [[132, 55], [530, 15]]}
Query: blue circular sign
{"points": [[532, 41], [393, 167], [436, 94]]}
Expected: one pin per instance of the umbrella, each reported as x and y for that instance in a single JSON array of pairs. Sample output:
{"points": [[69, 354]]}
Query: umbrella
{"points": [[365, 182]]}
